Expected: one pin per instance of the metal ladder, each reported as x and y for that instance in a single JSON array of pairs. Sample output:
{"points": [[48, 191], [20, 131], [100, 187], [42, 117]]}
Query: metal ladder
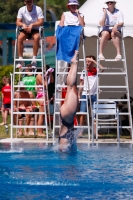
{"points": [[118, 71], [17, 75], [61, 74]]}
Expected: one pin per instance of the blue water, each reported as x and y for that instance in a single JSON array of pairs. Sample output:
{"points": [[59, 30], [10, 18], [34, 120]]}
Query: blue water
{"points": [[38, 171]]}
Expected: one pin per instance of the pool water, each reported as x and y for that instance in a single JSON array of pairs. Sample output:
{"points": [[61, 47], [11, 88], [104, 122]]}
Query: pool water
{"points": [[38, 171]]}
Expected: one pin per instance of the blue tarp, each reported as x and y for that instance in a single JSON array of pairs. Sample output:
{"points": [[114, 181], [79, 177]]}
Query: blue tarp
{"points": [[68, 39]]}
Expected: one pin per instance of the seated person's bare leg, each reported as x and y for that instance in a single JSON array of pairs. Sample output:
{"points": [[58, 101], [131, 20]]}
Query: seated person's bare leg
{"points": [[20, 123], [81, 121], [40, 119], [105, 35], [18, 120], [21, 37], [5, 116], [116, 41], [32, 96], [36, 38], [28, 119], [2, 112], [32, 123]]}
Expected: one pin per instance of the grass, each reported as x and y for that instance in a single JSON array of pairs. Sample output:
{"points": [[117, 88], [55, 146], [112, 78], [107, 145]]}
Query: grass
{"points": [[3, 133]]}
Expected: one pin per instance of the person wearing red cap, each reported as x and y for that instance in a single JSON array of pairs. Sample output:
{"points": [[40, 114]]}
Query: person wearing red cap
{"points": [[72, 17]]}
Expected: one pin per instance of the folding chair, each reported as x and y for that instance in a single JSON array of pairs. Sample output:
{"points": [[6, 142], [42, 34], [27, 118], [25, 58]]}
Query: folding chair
{"points": [[101, 113]]}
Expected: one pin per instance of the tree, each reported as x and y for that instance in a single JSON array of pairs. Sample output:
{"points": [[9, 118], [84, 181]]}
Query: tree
{"points": [[9, 10]]}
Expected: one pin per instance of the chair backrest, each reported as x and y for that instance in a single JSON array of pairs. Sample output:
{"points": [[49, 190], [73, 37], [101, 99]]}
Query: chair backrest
{"points": [[107, 108]]}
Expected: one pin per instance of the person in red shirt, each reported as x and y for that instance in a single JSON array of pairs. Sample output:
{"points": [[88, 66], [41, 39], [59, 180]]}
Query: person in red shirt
{"points": [[6, 100], [2, 108]]}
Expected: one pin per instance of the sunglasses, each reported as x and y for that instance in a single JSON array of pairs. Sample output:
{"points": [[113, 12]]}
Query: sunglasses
{"points": [[110, 2]]}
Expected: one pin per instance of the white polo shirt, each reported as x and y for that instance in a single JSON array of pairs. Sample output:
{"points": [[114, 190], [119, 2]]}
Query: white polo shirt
{"points": [[71, 18], [30, 17], [112, 19], [90, 82]]}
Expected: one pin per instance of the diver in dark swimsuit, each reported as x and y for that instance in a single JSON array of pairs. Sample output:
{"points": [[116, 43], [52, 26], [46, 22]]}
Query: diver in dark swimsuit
{"points": [[67, 135]]}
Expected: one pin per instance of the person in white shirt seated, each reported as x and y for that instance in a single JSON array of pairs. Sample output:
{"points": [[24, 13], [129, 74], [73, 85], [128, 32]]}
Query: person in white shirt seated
{"points": [[72, 17], [30, 18], [111, 20]]}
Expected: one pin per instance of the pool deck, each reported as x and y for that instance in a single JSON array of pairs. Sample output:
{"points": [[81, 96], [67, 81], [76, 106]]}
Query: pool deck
{"points": [[79, 140]]}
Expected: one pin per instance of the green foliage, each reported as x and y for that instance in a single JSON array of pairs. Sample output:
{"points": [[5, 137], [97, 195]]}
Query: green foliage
{"points": [[5, 71], [59, 6], [9, 10]]}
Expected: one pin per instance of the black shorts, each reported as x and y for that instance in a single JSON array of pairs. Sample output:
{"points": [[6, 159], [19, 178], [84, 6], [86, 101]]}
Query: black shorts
{"points": [[8, 105], [108, 31], [22, 115], [33, 31]]}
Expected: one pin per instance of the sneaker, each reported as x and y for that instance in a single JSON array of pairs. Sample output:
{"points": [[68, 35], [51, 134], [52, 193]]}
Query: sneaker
{"points": [[101, 57], [118, 57], [20, 65], [33, 63], [58, 87], [6, 127]]}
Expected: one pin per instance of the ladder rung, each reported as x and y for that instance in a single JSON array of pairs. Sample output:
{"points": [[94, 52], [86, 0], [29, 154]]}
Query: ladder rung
{"points": [[109, 86], [117, 68], [113, 126], [108, 123], [125, 127], [112, 73], [27, 72], [25, 86], [64, 99], [82, 113], [63, 73], [43, 113], [124, 113], [112, 60], [30, 68], [77, 113], [121, 100], [30, 99], [34, 126], [65, 86], [58, 126], [60, 88], [28, 59], [120, 113], [118, 91], [81, 59], [109, 127]]}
